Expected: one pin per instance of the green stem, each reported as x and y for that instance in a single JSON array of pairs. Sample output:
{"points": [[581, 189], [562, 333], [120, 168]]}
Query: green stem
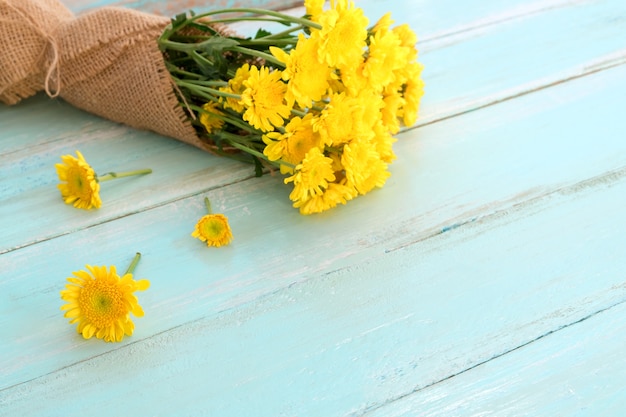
{"points": [[259, 154], [298, 112], [207, 203], [194, 87], [113, 175], [279, 35], [133, 264], [268, 42], [282, 16], [254, 52]]}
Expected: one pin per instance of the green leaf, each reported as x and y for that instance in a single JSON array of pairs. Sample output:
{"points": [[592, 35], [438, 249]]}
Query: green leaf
{"points": [[262, 33], [179, 20], [216, 44], [258, 167]]}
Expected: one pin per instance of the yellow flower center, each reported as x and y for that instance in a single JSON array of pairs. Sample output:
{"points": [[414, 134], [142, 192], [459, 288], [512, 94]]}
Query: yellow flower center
{"points": [[213, 228], [102, 303], [76, 182]]}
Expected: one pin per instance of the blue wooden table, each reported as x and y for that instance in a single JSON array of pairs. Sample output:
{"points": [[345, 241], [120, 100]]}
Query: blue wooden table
{"points": [[488, 276]]}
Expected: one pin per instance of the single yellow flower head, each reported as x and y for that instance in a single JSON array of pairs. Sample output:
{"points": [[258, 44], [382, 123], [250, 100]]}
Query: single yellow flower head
{"points": [[385, 56], [214, 230], [314, 8], [393, 102], [208, 119], [343, 34], [364, 167], [383, 141], [235, 86], [413, 92], [408, 39], [312, 176], [307, 78], [346, 117], [292, 145], [264, 99], [337, 121], [332, 196], [383, 24], [101, 301], [352, 79], [79, 184]]}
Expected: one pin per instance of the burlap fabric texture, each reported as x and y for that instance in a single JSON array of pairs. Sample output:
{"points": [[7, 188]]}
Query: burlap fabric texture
{"points": [[106, 62]]}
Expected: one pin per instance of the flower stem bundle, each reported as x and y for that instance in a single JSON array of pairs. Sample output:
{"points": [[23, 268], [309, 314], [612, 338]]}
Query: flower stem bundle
{"points": [[319, 100]]}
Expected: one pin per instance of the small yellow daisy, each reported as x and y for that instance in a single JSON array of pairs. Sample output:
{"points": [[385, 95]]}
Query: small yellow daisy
{"points": [[264, 99], [364, 167], [101, 301], [307, 77], [213, 228], [342, 38], [79, 184], [292, 145], [311, 177]]}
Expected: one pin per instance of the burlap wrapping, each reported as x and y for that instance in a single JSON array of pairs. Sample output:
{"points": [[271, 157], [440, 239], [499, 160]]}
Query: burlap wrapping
{"points": [[106, 62]]}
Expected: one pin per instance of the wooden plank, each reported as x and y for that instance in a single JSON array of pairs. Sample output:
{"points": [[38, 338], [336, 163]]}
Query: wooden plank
{"points": [[346, 342], [541, 50], [579, 370], [453, 173], [41, 147]]}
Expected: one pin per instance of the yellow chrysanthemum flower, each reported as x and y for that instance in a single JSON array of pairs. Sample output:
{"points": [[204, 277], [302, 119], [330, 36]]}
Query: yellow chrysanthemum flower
{"points": [[101, 302], [346, 117], [292, 145], [333, 195], [337, 121], [385, 56], [213, 228], [79, 182], [314, 8], [413, 92], [383, 142], [364, 167], [235, 86], [352, 80], [408, 39], [264, 99], [208, 119], [307, 77], [393, 102], [343, 35], [383, 24], [311, 177]]}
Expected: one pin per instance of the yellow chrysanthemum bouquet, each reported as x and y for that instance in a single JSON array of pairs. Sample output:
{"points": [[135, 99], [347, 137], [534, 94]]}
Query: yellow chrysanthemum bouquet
{"points": [[319, 100]]}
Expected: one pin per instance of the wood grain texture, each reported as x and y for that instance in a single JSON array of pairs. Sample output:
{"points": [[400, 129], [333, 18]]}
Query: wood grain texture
{"points": [[354, 338], [579, 371], [492, 259]]}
